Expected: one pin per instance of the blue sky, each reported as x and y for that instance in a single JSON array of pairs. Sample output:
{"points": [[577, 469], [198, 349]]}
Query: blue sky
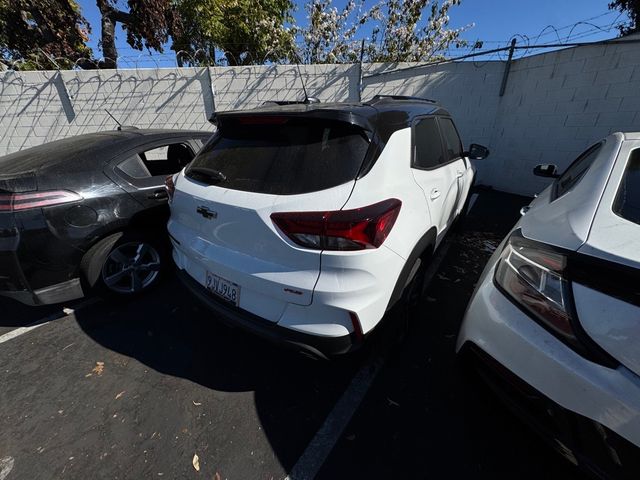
{"points": [[496, 22]]}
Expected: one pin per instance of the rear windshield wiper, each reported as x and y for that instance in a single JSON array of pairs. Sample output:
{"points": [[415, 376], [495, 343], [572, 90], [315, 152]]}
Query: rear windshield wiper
{"points": [[207, 175]]}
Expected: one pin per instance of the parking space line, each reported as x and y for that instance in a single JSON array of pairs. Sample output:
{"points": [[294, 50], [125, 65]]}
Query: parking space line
{"points": [[43, 321], [318, 450]]}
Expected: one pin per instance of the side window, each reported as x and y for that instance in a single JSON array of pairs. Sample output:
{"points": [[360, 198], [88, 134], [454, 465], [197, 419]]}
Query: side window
{"points": [[167, 159], [451, 139], [627, 202], [576, 170], [157, 162], [428, 144], [134, 167]]}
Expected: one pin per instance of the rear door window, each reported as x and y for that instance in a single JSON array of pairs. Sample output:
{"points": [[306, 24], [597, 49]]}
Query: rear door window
{"points": [[157, 162], [429, 152], [281, 155], [452, 141], [627, 202], [576, 170]]}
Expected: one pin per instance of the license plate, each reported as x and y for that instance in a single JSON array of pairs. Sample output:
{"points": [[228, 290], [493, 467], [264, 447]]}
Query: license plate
{"points": [[223, 288]]}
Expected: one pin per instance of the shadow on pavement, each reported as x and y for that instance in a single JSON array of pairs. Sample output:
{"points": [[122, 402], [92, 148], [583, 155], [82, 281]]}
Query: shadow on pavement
{"points": [[167, 332]]}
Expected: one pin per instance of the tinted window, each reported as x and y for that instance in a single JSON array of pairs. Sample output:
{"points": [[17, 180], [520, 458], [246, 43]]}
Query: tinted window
{"points": [[134, 167], [627, 203], [280, 155], [159, 161], [451, 139], [428, 144], [576, 170]]}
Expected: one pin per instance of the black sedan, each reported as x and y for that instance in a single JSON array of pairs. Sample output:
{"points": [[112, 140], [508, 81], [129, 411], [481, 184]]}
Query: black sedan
{"points": [[88, 212]]}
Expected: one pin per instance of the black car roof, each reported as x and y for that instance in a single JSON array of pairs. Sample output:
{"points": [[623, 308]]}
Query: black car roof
{"points": [[92, 147], [384, 114]]}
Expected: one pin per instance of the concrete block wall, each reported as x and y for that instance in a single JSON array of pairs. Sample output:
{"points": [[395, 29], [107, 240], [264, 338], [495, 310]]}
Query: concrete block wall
{"points": [[39, 107], [556, 105]]}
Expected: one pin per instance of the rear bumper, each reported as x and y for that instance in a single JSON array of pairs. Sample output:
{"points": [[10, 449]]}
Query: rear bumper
{"points": [[583, 441], [55, 286], [317, 346]]}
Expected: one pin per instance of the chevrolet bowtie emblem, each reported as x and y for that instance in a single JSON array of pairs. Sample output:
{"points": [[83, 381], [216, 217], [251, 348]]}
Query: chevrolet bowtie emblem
{"points": [[207, 213]]}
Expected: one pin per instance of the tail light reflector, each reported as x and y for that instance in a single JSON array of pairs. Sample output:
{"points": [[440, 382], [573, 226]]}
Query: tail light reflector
{"points": [[15, 202], [357, 229]]}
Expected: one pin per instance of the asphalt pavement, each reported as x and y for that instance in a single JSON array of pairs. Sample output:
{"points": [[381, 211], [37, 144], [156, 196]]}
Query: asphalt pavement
{"points": [[155, 388]]}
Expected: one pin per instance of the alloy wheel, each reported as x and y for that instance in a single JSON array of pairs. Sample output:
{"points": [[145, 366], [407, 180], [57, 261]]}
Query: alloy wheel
{"points": [[131, 268]]}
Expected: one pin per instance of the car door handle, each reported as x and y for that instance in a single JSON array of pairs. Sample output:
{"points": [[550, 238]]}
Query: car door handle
{"points": [[159, 194], [459, 174], [435, 193]]}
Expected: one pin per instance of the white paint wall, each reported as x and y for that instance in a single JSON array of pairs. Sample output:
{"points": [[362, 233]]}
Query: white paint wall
{"points": [[554, 106]]}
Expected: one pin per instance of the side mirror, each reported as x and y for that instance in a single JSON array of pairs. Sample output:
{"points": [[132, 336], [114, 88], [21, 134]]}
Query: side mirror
{"points": [[476, 152], [548, 171]]}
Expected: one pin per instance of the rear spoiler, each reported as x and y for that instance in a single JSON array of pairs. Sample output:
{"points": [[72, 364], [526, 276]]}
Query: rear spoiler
{"points": [[311, 113]]}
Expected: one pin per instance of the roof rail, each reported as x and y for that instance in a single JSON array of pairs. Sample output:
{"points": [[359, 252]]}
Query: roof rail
{"points": [[380, 98]]}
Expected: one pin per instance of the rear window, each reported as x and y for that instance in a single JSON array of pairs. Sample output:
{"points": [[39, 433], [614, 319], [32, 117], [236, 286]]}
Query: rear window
{"points": [[280, 155], [627, 203]]}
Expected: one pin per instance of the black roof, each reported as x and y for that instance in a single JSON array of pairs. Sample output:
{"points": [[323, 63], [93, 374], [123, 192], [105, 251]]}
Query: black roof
{"points": [[382, 114], [89, 147]]}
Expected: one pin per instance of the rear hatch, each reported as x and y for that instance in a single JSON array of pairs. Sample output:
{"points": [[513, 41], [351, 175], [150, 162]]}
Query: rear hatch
{"points": [[608, 297], [257, 165]]}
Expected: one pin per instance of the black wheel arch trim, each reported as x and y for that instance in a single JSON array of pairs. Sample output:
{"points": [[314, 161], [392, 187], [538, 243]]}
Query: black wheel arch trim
{"points": [[426, 243]]}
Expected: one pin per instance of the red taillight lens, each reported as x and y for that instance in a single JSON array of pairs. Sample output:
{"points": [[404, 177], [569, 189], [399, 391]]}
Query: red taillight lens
{"points": [[357, 229], [15, 202], [170, 185]]}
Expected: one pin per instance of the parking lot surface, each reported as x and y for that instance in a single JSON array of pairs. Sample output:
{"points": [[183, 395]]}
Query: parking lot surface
{"points": [[156, 388]]}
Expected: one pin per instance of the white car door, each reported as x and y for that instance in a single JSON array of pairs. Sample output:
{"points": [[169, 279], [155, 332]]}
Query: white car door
{"points": [[459, 165], [434, 173]]}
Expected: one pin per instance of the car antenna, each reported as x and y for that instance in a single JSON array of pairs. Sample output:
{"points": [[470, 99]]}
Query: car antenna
{"points": [[307, 98], [114, 119]]}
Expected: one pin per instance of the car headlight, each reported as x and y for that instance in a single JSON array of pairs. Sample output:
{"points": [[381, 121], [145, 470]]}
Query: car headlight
{"points": [[535, 279]]}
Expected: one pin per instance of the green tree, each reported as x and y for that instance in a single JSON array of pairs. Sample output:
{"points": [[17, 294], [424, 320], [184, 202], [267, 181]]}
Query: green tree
{"points": [[244, 31], [148, 23], [394, 31], [631, 8], [42, 34]]}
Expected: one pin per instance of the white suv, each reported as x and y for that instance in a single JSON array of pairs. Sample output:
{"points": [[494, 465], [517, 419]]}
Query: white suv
{"points": [[305, 223]]}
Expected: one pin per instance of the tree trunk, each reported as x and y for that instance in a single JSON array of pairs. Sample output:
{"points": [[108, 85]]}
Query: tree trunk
{"points": [[108, 39]]}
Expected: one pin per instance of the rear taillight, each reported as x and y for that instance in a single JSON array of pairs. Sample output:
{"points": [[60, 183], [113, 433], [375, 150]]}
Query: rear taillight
{"points": [[535, 278], [15, 202], [170, 185], [356, 229]]}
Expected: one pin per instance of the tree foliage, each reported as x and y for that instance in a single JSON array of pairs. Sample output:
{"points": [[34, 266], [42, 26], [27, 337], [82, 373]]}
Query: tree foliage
{"points": [[394, 31], [42, 34], [245, 31], [149, 24], [631, 8]]}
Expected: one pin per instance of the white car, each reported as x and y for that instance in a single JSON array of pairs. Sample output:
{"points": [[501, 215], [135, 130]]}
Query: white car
{"points": [[554, 323], [305, 223]]}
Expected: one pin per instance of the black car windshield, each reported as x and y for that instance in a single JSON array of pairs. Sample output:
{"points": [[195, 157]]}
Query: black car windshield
{"points": [[627, 203], [281, 155]]}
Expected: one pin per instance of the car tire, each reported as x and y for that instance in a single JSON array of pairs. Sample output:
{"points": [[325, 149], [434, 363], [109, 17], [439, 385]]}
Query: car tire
{"points": [[125, 264]]}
